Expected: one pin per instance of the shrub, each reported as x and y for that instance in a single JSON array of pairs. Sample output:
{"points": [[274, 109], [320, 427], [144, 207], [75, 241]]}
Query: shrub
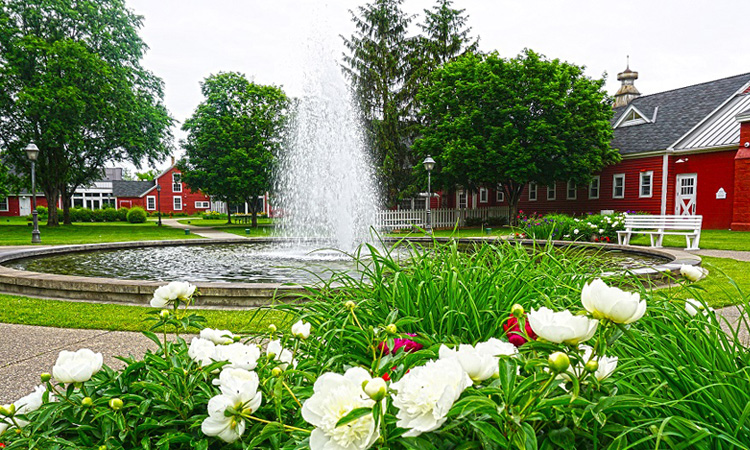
{"points": [[214, 215], [42, 211], [110, 215], [137, 215], [592, 227], [122, 214], [495, 221]]}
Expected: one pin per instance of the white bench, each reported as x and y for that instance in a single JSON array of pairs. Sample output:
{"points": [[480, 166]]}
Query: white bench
{"points": [[688, 226]]}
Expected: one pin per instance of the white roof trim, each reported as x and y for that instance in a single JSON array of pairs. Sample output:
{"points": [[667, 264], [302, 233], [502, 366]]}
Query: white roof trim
{"points": [[625, 113], [156, 180], [705, 119]]}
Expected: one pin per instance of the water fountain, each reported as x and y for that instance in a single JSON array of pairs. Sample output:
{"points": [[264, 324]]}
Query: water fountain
{"points": [[326, 188]]}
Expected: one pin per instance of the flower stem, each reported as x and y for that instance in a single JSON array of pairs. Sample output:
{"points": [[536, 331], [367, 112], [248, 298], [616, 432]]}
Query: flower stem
{"points": [[289, 427], [291, 393]]}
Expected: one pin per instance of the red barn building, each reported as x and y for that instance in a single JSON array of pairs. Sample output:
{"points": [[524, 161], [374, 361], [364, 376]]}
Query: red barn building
{"points": [[684, 151]]}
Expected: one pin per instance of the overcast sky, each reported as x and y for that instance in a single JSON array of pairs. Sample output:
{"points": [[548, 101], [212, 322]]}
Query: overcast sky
{"points": [[671, 43]]}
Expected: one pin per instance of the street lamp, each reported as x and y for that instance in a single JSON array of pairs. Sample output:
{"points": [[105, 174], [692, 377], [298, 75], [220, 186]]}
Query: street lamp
{"points": [[32, 152], [158, 200], [429, 164]]}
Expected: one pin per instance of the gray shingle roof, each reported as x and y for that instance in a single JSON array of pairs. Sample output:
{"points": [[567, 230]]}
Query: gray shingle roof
{"points": [[121, 188], [679, 111]]}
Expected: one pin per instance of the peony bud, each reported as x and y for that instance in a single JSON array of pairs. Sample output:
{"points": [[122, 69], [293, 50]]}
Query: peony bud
{"points": [[86, 402], [558, 362], [301, 330], [517, 311], [115, 403], [5, 410], [391, 329], [272, 328], [375, 388], [350, 305], [276, 371], [164, 313], [46, 377], [592, 366]]}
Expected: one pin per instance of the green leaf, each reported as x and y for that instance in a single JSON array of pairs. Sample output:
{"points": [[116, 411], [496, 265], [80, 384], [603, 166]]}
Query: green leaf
{"points": [[563, 438], [353, 415]]}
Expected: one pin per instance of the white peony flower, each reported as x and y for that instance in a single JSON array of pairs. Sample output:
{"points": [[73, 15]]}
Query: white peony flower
{"points": [[76, 367], [427, 393], [280, 354], [25, 405], [334, 396], [692, 306], [478, 366], [607, 364], [239, 391], [218, 337], [239, 355], [166, 295], [693, 273], [612, 303], [561, 326], [301, 330], [496, 347], [202, 351], [575, 231]]}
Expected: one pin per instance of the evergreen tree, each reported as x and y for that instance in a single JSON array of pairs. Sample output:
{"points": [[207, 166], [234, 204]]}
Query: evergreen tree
{"points": [[377, 67]]}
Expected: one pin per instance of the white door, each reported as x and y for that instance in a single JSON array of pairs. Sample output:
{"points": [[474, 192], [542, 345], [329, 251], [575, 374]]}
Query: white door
{"points": [[24, 204], [685, 194]]}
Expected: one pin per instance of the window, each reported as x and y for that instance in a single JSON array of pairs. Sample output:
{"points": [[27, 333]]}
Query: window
{"points": [[500, 194], [202, 205], [572, 191], [176, 182], [532, 192], [632, 117], [647, 179], [594, 188], [552, 191], [618, 185], [462, 200], [177, 203], [4, 204], [150, 202], [482, 195]]}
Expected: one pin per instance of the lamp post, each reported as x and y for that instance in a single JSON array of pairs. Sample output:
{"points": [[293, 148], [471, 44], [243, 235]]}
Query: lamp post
{"points": [[32, 152], [158, 200], [429, 164]]}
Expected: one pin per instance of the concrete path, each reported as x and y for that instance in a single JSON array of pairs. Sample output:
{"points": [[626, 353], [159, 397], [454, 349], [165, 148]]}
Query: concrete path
{"points": [[206, 232], [731, 254]]}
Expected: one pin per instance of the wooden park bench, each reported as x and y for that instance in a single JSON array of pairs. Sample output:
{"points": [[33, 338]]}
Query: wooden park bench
{"points": [[658, 226]]}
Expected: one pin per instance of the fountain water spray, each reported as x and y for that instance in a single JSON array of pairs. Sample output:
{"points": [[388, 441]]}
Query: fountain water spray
{"points": [[326, 188]]}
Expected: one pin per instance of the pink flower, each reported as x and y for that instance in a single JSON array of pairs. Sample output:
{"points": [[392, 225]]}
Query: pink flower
{"points": [[407, 344], [513, 331]]}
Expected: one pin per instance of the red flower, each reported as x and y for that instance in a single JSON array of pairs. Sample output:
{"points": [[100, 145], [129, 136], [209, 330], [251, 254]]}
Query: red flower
{"points": [[408, 345], [386, 377], [513, 331]]}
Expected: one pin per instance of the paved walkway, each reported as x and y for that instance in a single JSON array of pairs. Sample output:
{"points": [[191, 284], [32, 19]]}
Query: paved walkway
{"points": [[206, 232], [27, 351]]}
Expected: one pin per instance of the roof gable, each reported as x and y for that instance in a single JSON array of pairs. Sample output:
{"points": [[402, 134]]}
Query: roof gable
{"points": [[121, 188], [679, 112]]}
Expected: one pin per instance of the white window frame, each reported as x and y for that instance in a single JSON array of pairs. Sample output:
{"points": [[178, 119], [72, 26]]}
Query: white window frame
{"points": [[202, 205], [533, 188], [6, 203], [462, 195], [641, 185], [499, 194], [176, 184], [175, 200], [483, 195], [150, 198], [614, 185], [598, 180], [552, 192], [571, 187]]}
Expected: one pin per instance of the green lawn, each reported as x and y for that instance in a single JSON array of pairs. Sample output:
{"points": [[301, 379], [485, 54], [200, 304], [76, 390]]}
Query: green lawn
{"points": [[461, 232], [14, 231], [720, 288], [63, 314], [714, 239]]}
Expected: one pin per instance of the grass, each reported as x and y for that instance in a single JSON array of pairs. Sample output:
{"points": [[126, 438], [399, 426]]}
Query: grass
{"points": [[100, 316], [713, 239], [460, 232], [725, 284], [16, 232]]}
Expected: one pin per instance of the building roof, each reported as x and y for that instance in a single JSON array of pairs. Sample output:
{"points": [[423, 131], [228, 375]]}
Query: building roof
{"points": [[121, 188], [673, 114]]}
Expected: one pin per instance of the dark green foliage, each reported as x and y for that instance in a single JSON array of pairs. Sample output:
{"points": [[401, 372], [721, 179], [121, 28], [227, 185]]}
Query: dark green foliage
{"points": [[71, 82], [137, 215], [233, 140], [493, 121]]}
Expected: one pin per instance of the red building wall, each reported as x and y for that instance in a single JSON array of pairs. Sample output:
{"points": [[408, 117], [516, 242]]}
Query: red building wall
{"points": [[14, 206], [167, 197]]}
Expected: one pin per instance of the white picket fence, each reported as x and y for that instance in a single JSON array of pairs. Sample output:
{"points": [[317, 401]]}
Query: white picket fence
{"points": [[404, 219]]}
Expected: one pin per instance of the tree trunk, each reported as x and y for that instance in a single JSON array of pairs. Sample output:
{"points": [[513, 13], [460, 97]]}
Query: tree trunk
{"points": [[229, 214], [252, 202], [66, 206], [52, 218], [513, 193]]}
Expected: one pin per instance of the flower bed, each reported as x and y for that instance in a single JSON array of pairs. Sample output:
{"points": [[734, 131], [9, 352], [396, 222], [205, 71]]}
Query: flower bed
{"points": [[591, 228], [583, 365]]}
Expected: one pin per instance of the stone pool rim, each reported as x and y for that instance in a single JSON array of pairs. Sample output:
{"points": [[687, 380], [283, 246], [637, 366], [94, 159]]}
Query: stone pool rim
{"points": [[214, 294]]}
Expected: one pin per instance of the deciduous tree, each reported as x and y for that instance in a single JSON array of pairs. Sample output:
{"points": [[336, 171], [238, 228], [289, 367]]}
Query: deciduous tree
{"points": [[513, 121], [234, 137], [71, 82]]}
